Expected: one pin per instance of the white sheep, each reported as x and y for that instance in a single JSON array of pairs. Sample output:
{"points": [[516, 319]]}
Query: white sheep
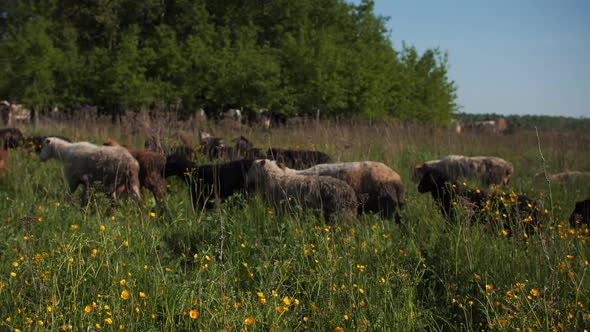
{"points": [[111, 169], [280, 184]]}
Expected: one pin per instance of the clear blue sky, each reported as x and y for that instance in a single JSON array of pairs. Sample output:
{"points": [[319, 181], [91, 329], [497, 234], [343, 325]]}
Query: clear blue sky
{"points": [[506, 57]]}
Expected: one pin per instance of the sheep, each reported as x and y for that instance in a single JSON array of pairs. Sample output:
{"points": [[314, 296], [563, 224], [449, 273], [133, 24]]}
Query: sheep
{"points": [[214, 148], [3, 162], [298, 159], [109, 168], [564, 177], [279, 184], [448, 193], [581, 213], [11, 138], [36, 142], [487, 170], [377, 187], [151, 170], [208, 181], [152, 143]]}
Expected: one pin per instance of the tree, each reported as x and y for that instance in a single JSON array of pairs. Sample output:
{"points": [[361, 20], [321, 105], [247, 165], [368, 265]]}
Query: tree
{"points": [[27, 75], [288, 56]]}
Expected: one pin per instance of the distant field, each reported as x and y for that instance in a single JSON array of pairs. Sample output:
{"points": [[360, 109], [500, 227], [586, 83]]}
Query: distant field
{"points": [[243, 266]]}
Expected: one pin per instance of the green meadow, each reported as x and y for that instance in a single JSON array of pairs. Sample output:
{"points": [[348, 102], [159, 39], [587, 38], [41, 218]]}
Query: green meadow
{"points": [[245, 267]]}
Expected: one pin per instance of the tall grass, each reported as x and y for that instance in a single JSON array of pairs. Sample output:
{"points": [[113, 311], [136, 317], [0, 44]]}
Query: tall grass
{"points": [[243, 266]]}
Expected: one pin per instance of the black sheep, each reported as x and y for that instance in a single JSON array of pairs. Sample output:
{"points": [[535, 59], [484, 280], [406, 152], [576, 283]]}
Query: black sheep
{"points": [[36, 142], [447, 192], [214, 149], [208, 181], [298, 159], [581, 213], [11, 138]]}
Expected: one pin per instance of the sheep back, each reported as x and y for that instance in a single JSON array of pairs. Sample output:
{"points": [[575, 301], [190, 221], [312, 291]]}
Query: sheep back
{"points": [[378, 188], [104, 167], [486, 169], [281, 184]]}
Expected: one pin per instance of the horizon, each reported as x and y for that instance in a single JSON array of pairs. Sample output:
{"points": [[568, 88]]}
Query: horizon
{"points": [[526, 58]]}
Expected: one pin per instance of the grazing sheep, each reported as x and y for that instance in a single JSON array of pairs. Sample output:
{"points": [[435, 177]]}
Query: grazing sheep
{"points": [[11, 138], [151, 171], [298, 159], [448, 193], [208, 181], [242, 144], [3, 162], [214, 149], [581, 213], [377, 187], [109, 168], [152, 143], [487, 170], [279, 184], [36, 142]]}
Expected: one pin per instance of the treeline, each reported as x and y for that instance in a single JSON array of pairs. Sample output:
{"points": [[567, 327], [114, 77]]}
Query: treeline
{"points": [[292, 57], [541, 122]]}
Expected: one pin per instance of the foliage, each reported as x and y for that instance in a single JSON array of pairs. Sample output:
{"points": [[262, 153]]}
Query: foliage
{"points": [[290, 57]]}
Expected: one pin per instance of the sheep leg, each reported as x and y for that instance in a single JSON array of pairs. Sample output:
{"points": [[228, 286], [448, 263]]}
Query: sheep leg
{"points": [[85, 191], [114, 201], [136, 194], [157, 186], [72, 186]]}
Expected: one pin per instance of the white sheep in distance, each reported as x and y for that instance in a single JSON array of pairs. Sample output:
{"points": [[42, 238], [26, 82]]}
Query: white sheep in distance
{"points": [[279, 184], [111, 169]]}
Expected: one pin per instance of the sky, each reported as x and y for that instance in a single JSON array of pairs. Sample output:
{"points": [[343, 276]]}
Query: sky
{"points": [[505, 57]]}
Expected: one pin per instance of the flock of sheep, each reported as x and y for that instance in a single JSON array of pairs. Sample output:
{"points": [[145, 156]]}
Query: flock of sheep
{"points": [[286, 178]]}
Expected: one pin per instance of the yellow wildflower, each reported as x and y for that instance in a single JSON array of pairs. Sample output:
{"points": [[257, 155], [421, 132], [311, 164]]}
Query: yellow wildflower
{"points": [[193, 314], [249, 320]]}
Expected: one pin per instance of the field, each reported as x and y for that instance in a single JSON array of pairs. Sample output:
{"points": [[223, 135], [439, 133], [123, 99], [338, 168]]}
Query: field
{"points": [[245, 267]]}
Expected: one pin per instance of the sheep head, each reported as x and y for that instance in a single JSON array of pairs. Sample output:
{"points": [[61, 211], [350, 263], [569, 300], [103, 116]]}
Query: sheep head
{"points": [[47, 149]]}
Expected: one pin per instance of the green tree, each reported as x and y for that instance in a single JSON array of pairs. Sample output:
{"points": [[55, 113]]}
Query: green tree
{"points": [[27, 75]]}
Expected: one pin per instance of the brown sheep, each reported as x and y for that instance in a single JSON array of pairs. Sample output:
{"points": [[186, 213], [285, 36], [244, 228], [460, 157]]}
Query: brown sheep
{"points": [[111, 169], [151, 170], [280, 184], [3, 162], [378, 188], [487, 170]]}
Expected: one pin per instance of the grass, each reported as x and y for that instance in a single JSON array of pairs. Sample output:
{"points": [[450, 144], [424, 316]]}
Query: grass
{"points": [[243, 266]]}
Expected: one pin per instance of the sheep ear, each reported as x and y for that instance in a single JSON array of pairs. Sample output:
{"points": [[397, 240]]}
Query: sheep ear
{"points": [[262, 162], [420, 165]]}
